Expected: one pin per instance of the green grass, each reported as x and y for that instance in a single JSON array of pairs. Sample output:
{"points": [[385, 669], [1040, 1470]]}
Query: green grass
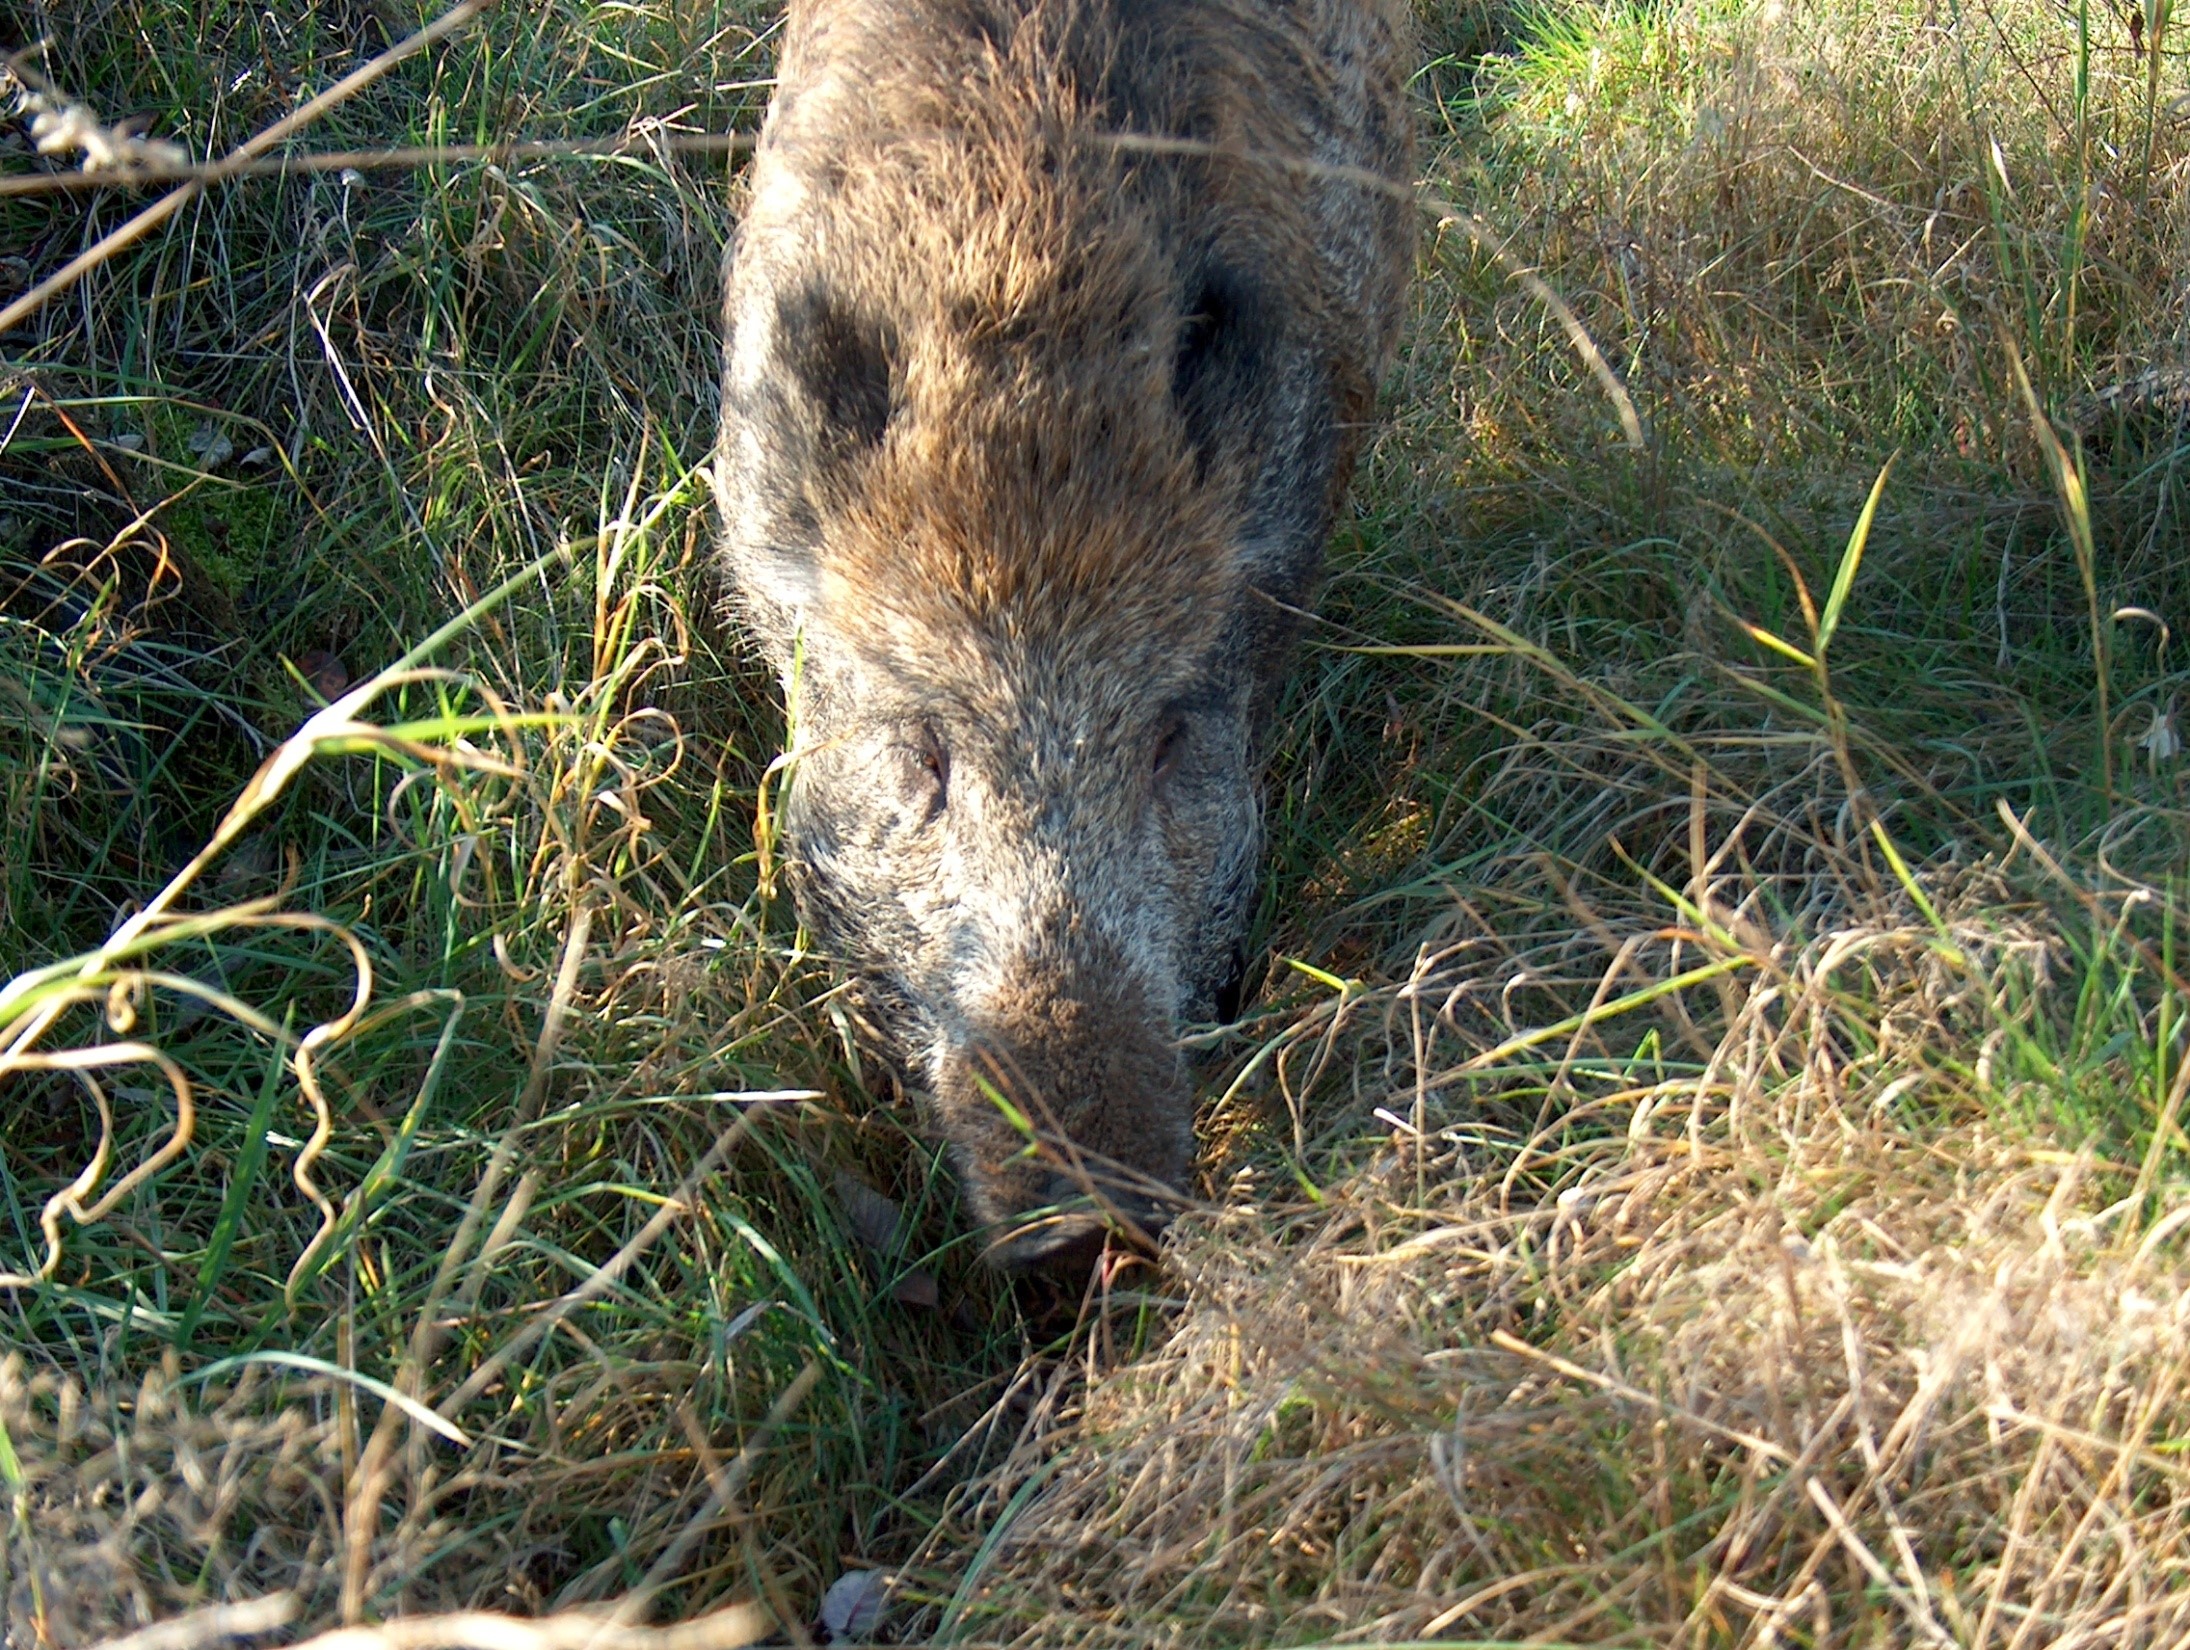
{"points": [[1578, 720]]}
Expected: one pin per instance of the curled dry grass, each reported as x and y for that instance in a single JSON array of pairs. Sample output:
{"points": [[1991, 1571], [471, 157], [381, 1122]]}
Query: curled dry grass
{"points": [[505, 1086]]}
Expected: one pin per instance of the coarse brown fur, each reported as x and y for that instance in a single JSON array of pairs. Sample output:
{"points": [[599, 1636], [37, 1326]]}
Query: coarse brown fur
{"points": [[1054, 327]]}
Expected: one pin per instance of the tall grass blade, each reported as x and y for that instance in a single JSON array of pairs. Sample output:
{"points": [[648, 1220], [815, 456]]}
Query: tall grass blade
{"points": [[1851, 558], [309, 1365], [243, 1177]]}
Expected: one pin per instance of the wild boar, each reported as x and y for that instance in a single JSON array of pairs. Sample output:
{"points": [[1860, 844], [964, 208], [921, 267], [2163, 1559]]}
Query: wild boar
{"points": [[1053, 327]]}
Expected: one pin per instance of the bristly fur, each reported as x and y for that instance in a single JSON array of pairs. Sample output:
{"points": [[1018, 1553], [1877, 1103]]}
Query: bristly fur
{"points": [[1053, 328]]}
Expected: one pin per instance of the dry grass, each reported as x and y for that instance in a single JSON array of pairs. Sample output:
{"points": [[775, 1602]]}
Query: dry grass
{"points": [[1803, 1345], [1696, 1171]]}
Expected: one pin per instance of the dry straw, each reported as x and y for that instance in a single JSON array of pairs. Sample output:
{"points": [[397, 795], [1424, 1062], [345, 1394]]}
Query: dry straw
{"points": [[1801, 1348]]}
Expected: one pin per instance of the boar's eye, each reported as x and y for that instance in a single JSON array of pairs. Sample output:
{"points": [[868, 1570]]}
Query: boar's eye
{"points": [[928, 766]]}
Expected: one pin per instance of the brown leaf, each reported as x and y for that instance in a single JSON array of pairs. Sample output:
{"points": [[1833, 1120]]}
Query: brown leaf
{"points": [[917, 1288], [325, 671], [872, 1218]]}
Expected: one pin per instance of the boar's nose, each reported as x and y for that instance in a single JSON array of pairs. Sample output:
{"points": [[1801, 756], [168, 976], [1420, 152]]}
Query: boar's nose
{"points": [[1066, 1230], [1066, 1106]]}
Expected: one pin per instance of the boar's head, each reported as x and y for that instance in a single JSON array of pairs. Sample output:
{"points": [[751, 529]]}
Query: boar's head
{"points": [[1029, 449]]}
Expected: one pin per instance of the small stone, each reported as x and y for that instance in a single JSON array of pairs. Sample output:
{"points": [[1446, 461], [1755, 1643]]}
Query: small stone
{"points": [[212, 448]]}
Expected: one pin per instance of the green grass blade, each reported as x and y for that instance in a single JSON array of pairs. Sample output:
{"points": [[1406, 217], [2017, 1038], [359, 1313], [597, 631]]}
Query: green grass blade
{"points": [[241, 1181], [1641, 998], [1851, 558], [366, 1383], [1947, 948]]}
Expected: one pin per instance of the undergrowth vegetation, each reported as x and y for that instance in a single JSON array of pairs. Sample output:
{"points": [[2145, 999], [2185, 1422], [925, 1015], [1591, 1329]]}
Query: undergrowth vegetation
{"points": [[1703, 1162]]}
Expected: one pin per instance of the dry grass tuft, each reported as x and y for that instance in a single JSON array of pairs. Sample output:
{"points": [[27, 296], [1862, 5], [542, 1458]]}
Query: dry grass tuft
{"points": [[226, 1496], [133, 1511], [1799, 1347]]}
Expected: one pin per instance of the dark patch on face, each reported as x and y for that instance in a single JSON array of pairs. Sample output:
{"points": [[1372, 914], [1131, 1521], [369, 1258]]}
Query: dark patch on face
{"points": [[842, 359], [982, 20], [1220, 362], [1136, 63]]}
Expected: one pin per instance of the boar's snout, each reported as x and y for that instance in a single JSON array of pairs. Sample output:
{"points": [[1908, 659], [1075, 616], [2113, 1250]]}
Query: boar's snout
{"points": [[1079, 1055]]}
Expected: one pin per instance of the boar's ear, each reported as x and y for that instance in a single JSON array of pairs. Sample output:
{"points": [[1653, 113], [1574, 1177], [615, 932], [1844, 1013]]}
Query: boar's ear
{"points": [[842, 359]]}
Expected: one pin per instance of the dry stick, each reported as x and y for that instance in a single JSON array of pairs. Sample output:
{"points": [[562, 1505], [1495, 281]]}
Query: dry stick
{"points": [[214, 1624], [1534, 285], [679, 1202], [288, 126], [401, 157], [729, 1629], [1443, 211], [1491, 1593], [245, 162]]}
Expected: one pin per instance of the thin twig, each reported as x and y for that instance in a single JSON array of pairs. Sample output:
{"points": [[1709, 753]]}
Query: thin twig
{"points": [[215, 1624], [448, 23], [1536, 287], [400, 158], [729, 1629]]}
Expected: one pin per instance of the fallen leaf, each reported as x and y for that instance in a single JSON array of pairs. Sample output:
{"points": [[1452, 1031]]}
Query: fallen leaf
{"points": [[873, 1218], [2161, 742], [213, 449], [852, 1607], [326, 672]]}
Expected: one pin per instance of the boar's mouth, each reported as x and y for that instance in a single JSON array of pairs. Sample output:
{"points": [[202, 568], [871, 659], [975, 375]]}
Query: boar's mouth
{"points": [[1082, 1217], [1069, 1114]]}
